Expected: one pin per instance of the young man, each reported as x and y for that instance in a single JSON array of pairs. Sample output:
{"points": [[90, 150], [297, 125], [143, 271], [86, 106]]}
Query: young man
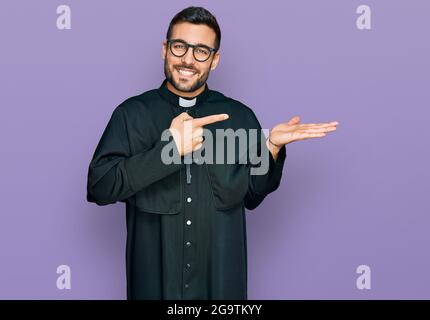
{"points": [[186, 226]]}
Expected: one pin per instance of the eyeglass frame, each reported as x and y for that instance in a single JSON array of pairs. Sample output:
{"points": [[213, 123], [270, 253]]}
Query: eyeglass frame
{"points": [[188, 45]]}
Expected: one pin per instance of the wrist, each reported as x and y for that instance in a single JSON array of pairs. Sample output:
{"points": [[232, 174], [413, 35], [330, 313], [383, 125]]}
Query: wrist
{"points": [[273, 148], [273, 145]]}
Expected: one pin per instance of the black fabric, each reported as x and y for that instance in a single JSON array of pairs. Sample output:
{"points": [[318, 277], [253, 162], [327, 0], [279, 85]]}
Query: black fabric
{"points": [[166, 257]]}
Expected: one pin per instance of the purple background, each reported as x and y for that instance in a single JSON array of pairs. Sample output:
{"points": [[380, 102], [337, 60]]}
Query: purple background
{"points": [[358, 196]]}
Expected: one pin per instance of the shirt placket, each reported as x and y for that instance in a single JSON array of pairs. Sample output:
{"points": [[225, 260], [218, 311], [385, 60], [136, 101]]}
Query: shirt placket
{"points": [[188, 267]]}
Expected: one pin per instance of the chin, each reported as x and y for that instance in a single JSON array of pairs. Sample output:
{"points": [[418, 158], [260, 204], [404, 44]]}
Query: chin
{"points": [[185, 85]]}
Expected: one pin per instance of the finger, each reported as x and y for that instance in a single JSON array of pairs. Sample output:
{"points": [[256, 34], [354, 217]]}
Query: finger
{"points": [[311, 135], [318, 125], [331, 124], [317, 130], [209, 119], [293, 120], [198, 139], [287, 126], [185, 116], [198, 132], [198, 146]]}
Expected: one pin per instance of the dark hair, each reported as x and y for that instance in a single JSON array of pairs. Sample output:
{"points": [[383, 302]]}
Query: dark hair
{"points": [[197, 15]]}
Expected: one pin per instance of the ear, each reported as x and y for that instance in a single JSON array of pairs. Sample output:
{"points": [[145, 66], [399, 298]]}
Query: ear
{"points": [[215, 60], [164, 49]]}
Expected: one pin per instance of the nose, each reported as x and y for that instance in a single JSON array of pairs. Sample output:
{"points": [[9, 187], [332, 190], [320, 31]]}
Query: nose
{"points": [[188, 58]]}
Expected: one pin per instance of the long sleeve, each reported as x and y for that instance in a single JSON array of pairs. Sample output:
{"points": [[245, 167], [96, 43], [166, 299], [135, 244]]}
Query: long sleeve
{"points": [[114, 173], [260, 186]]}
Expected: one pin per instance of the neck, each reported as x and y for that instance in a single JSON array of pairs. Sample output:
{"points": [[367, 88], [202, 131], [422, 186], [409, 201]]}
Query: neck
{"points": [[183, 93]]}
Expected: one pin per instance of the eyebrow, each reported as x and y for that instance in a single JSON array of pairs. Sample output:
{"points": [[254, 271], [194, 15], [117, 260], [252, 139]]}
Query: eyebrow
{"points": [[197, 44]]}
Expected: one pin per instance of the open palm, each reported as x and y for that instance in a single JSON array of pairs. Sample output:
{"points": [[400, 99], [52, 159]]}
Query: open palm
{"points": [[293, 130]]}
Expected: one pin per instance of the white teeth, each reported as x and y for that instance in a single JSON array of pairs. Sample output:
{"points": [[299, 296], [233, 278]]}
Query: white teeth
{"points": [[185, 72]]}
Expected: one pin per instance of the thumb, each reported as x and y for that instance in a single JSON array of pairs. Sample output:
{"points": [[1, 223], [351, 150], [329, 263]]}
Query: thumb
{"points": [[294, 120], [185, 116]]}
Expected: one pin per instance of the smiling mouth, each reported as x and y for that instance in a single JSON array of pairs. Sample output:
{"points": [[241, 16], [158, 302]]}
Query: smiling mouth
{"points": [[187, 73]]}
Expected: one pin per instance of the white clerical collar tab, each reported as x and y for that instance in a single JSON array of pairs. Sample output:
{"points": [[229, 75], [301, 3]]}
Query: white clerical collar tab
{"points": [[187, 103]]}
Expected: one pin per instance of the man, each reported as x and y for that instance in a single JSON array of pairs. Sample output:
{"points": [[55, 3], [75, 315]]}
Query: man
{"points": [[186, 226]]}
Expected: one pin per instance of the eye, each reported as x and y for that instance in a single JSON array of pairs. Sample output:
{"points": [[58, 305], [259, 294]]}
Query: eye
{"points": [[201, 51], [179, 46]]}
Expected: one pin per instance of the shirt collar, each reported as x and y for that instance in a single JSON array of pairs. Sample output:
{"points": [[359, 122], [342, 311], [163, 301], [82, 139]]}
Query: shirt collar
{"points": [[187, 102]]}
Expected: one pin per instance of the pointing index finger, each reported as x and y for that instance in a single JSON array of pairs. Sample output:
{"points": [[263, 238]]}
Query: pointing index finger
{"points": [[210, 119]]}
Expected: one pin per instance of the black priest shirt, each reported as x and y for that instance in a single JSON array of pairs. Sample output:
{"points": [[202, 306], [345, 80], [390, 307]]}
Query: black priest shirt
{"points": [[186, 223]]}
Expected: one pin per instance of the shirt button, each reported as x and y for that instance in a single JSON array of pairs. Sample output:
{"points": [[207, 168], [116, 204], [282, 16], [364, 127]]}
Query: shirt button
{"points": [[187, 285], [188, 243], [189, 199], [188, 265], [188, 222]]}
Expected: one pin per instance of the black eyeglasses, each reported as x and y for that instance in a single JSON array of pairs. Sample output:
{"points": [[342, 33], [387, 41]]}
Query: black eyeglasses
{"points": [[179, 48]]}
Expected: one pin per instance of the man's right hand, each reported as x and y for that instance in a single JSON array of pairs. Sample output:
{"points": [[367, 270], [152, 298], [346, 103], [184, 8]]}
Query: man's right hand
{"points": [[188, 131]]}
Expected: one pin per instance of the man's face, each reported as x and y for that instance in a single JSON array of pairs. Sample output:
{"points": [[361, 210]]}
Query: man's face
{"points": [[192, 34]]}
